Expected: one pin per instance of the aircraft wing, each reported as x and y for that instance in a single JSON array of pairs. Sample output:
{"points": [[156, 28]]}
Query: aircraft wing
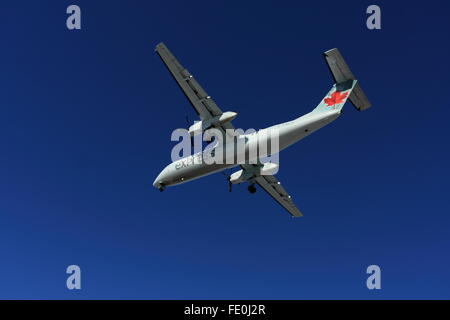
{"points": [[273, 187], [203, 104]]}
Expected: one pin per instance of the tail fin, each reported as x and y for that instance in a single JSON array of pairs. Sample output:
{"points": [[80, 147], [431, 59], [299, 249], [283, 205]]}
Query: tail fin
{"points": [[341, 73], [337, 96]]}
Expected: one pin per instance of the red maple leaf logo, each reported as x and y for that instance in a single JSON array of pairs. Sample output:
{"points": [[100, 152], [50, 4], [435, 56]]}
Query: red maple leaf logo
{"points": [[335, 98]]}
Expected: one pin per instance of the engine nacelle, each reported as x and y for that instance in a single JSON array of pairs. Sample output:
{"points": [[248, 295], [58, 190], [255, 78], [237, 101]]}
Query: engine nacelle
{"points": [[268, 169], [196, 128], [242, 176], [237, 177], [200, 126]]}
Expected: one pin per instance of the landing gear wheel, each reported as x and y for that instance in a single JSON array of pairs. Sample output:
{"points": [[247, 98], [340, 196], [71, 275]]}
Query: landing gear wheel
{"points": [[251, 188]]}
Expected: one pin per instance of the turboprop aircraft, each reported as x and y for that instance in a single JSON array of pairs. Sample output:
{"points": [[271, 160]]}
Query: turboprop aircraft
{"points": [[255, 172]]}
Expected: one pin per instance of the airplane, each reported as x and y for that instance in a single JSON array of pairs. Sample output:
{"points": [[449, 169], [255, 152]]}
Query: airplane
{"points": [[329, 109]]}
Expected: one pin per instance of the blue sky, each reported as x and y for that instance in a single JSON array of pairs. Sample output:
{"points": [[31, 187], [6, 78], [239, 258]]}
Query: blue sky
{"points": [[86, 123]]}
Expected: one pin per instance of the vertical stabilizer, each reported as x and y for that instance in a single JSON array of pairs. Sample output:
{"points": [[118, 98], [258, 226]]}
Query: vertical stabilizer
{"points": [[342, 73]]}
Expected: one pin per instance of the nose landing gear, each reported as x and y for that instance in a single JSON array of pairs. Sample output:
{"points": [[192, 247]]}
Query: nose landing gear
{"points": [[160, 187]]}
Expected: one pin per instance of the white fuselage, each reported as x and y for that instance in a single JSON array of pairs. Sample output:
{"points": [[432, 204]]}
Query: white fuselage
{"points": [[189, 168]]}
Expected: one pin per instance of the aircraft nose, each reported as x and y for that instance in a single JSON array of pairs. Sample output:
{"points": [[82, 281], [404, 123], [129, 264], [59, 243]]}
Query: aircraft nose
{"points": [[158, 183], [160, 180]]}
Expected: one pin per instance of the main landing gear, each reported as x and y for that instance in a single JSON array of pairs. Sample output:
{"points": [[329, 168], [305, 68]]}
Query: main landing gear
{"points": [[251, 185]]}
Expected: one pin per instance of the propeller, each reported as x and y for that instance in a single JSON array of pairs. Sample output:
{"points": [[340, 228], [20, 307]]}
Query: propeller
{"points": [[228, 177], [188, 125]]}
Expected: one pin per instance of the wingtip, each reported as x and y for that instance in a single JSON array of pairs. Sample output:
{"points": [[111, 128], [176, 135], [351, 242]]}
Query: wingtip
{"points": [[159, 45], [329, 51]]}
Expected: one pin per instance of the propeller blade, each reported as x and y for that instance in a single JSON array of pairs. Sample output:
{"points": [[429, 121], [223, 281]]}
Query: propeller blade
{"points": [[230, 185]]}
